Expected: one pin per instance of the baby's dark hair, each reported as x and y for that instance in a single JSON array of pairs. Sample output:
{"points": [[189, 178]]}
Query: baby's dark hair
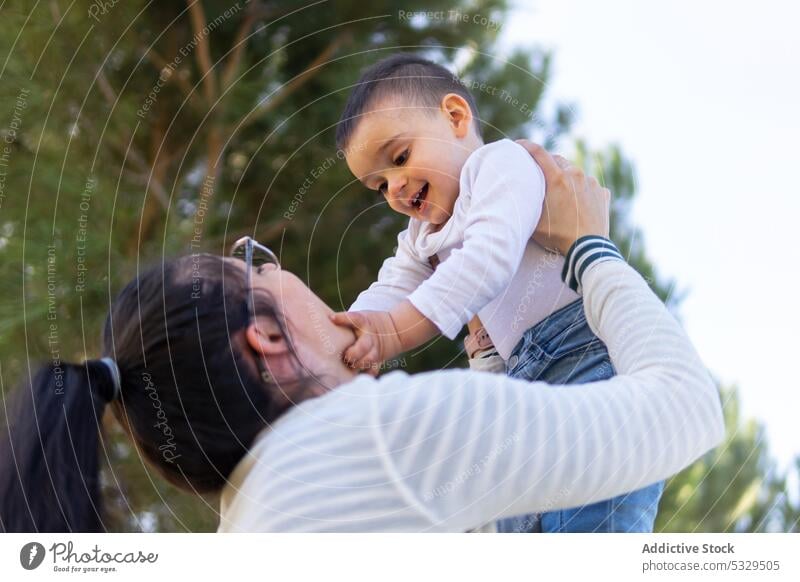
{"points": [[419, 80]]}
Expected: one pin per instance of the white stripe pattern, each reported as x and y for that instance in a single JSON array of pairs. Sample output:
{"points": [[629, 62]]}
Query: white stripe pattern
{"points": [[582, 253], [454, 449]]}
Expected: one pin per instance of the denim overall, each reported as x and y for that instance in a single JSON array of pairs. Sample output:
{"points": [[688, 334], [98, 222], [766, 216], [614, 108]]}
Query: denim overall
{"points": [[562, 349]]}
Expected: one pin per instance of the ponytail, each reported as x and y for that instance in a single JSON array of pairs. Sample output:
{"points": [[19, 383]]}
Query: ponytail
{"points": [[49, 457], [192, 423]]}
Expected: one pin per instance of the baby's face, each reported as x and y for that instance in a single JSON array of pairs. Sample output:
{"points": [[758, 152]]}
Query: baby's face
{"points": [[413, 156]]}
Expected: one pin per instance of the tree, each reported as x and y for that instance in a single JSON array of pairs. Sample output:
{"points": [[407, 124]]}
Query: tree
{"points": [[146, 130], [734, 488], [138, 130], [737, 486]]}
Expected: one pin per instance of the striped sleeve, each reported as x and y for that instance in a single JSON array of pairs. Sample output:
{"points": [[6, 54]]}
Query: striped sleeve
{"points": [[469, 447], [584, 252], [454, 449]]}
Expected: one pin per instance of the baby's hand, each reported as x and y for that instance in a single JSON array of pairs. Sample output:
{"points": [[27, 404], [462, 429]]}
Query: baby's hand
{"points": [[376, 339]]}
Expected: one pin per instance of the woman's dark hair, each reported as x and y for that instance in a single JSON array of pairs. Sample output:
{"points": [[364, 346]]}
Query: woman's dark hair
{"points": [[191, 398]]}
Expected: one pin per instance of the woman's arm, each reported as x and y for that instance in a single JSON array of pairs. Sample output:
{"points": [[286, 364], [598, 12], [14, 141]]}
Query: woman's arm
{"points": [[468, 448]]}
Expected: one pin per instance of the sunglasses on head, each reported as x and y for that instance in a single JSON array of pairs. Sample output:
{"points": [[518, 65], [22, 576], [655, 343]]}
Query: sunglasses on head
{"points": [[253, 253]]}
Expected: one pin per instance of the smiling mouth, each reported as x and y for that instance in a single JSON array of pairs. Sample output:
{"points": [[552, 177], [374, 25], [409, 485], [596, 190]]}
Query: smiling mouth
{"points": [[419, 197]]}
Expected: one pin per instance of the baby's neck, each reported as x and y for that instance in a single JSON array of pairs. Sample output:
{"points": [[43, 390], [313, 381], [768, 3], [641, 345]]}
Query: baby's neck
{"points": [[474, 143]]}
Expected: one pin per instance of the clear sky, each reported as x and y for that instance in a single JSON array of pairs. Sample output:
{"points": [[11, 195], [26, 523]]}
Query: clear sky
{"points": [[704, 97]]}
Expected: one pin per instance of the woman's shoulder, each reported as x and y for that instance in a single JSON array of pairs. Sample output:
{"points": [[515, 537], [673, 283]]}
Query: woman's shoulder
{"points": [[319, 450], [358, 400], [398, 396], [364, 406], [329, 445]]}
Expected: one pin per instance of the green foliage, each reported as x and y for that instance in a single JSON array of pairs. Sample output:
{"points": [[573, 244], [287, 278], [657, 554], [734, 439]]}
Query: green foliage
{"points": [[158, 129], [153, 129], [734, 488], [616, 173]]}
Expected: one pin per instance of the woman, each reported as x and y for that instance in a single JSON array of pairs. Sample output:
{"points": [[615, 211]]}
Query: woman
{"points": [[231, 380]]}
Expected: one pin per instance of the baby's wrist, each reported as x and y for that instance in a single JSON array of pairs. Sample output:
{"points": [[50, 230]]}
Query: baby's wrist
{"points": [[393, 342], [411, 327]]}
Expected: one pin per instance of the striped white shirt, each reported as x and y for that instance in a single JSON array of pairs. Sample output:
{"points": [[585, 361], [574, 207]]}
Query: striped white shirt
{"points": [[452, 450]]}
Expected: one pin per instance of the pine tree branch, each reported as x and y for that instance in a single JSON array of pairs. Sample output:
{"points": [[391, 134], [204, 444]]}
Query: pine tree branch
{"points": [[298, 81], [256, 11], [55, 11], [129, 151], [161, 64], [239, 44], [152, 215], [203, 52]]}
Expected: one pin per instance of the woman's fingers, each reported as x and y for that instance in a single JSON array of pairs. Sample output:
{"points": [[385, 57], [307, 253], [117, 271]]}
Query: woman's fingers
{"points": [[561, 161], [575, 205], [548, 163]]}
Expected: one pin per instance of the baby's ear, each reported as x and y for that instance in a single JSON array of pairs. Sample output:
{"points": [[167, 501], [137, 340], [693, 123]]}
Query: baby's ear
{"points": [[458, 112]]}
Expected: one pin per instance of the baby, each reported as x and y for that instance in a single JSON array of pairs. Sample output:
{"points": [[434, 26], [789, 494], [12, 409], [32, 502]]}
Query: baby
{"points": [[410, 131]]}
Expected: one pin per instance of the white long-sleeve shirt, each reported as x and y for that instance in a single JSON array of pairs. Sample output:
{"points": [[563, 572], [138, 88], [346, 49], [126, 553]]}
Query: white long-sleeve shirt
{"points": [[451, 450], [489, 263]]}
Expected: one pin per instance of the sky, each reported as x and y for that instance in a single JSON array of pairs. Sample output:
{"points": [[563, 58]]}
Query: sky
{"points": [[704, 98]]}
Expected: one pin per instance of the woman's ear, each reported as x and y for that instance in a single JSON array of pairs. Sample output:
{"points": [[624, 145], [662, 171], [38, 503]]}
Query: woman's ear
{"points": [[458, 112], [265, 337]]}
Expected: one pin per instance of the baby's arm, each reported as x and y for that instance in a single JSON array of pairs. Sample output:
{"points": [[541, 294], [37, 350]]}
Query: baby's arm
{"points": [[398, 277], [369, 316], [507, 189], [381, 335], [507, 192]]}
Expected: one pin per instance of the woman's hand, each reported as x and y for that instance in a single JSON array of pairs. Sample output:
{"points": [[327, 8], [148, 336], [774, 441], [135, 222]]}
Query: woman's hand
{"points": [[574, 205]]}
